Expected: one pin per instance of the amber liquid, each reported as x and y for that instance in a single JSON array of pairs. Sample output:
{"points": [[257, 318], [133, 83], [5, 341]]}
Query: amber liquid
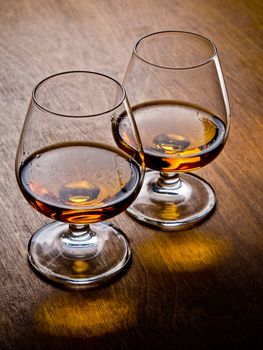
{"points": [[175, 136], [80, 183]]}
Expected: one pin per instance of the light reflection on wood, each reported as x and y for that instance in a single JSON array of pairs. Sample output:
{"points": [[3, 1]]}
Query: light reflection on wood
{"points": [[83, 317], [186, 252]]}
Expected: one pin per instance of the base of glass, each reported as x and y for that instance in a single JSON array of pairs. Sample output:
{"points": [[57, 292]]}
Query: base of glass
{"points": [[173, 208], [84, 262]]}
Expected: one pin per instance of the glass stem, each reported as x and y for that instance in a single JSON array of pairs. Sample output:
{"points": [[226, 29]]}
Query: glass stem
{"points": [[82, 239], [79, 232], [167, 183]]}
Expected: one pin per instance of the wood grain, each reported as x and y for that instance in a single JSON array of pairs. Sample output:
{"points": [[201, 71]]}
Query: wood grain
{"points": [[196, 289]]}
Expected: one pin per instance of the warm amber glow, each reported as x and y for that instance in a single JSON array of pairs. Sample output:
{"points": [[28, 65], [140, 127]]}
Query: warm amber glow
{"points": [[170, 211], [88, 192], [80, 266], [189, 152], [188, 251], [80, 218], [84, 317]]}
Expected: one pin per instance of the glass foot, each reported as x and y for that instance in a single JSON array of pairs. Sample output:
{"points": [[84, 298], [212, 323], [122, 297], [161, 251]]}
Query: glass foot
{"points": [[85, 261], [178, 205]]}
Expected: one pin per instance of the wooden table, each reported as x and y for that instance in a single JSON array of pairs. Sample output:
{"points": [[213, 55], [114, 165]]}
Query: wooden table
{"points": [[196, 289]]}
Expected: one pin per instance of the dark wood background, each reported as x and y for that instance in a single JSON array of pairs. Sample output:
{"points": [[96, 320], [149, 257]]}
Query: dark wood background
{"points": [[196, 289]]}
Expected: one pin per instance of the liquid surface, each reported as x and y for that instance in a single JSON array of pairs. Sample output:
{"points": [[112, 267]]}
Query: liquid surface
{"points": [[80, 183], [175, 136]]}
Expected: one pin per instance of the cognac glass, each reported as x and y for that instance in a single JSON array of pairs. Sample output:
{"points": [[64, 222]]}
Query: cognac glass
{"points": [[179, 100], [69, 168]]}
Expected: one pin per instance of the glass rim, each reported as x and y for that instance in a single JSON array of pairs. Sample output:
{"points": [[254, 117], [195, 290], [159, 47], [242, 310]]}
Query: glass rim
{"points": [[139, 41], [39, 106]]}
